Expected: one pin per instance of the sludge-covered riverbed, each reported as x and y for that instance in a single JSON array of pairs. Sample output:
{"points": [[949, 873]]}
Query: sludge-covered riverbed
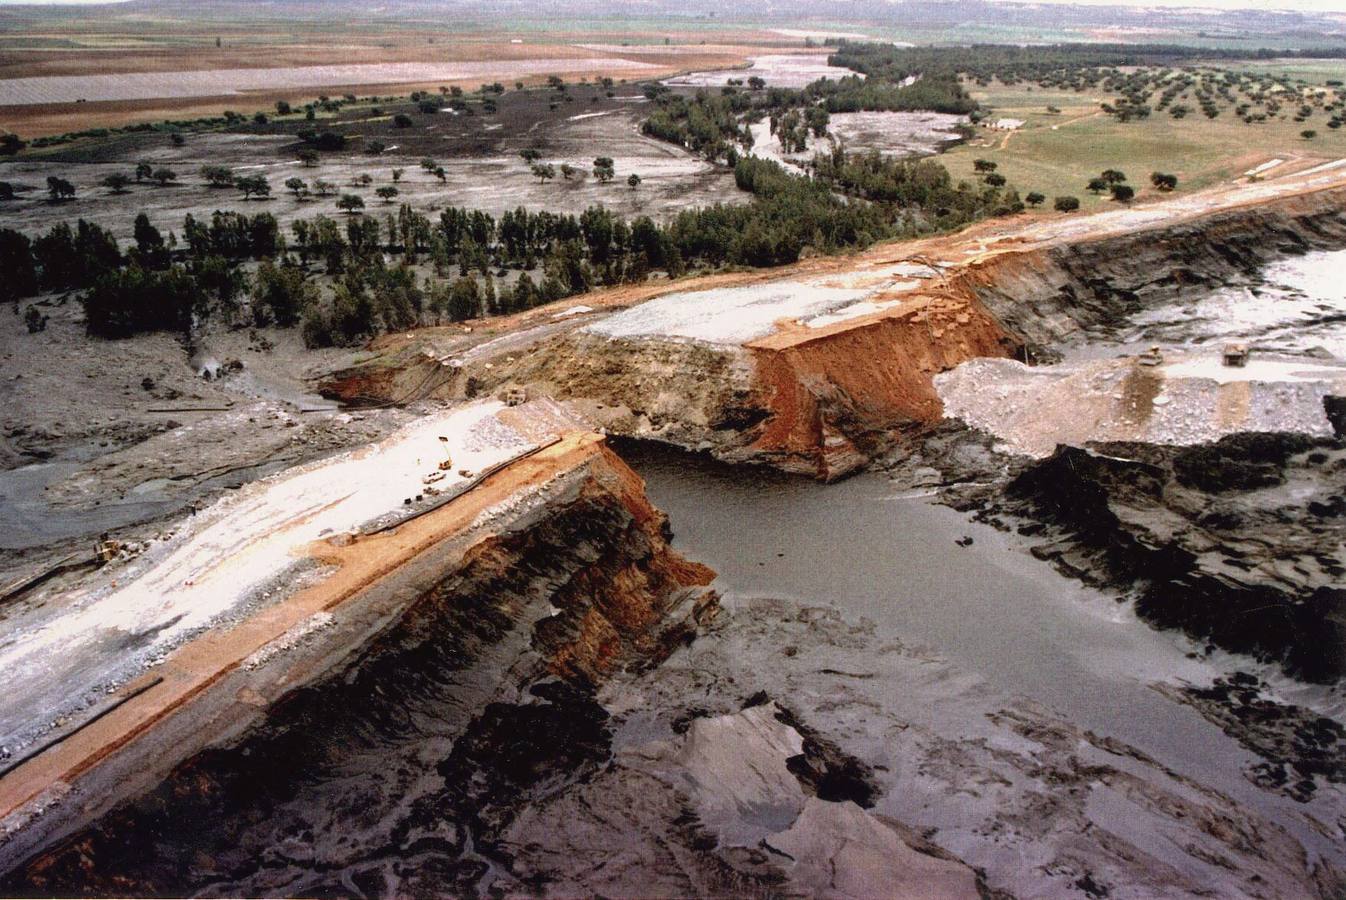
{"points": [[875, 653]]}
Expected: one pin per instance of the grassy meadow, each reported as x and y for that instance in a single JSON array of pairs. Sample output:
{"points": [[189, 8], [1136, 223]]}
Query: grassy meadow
{"points": [[1057, 153]]}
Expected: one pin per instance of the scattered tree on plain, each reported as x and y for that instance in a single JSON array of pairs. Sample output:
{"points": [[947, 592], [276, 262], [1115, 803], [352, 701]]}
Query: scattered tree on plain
{"points": [[218, 176], [59, 188], [253, 184], [1163, 181]]}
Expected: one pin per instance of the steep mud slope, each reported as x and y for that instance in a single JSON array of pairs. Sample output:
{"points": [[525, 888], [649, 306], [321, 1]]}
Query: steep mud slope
{"points": [[559, 549], [1216, 539]]}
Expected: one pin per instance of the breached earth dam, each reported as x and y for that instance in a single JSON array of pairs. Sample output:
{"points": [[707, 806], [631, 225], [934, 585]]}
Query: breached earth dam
{"points": [[1096, 653]]}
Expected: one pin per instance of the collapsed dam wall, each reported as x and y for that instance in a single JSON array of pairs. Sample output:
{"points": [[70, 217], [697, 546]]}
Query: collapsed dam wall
{"points": [[557, 568], [830, 363]]}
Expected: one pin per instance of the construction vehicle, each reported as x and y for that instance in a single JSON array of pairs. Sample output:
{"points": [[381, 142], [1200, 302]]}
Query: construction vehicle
{"points": [[447, 464], [106, 549], [1151, 357], [1235, 355]]}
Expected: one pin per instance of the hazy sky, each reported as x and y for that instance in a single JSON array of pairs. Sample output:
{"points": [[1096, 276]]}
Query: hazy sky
{"points": [[1322, 6]]}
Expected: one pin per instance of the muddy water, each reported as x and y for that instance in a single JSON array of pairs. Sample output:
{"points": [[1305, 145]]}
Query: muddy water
{"points": [[985, 624]]}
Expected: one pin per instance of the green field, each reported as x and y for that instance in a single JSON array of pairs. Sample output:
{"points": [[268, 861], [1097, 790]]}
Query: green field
{"points": [[1057, 154]]}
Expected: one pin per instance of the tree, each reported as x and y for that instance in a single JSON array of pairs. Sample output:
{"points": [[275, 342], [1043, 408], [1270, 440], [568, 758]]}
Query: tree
{"points": [[323, 188], [530, 155], [280, 294], [1097, 185], [440, 174], [126, 301], [6, 191], [1066, 204], [543, 172], [756, 82], [983, 166], [634, 180], [464, 300], [402, 120], [143, 171], [283, 108], [1308, 134], [567, 171], [218, 176], [1113, 176], [387, 192], [116, 182], [604, 169], [376, 148], [18, 264], [350, 203], [177, 139], [296, 186], [10, 144], [253, 184], [1163, 182], [308, 157], [1034, 199], [1123, 193], [59, 189], [163, 175], [995, 179], [397, 175]]}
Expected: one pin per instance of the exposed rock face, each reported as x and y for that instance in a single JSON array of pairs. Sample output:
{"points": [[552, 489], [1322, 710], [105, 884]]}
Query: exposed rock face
{"points": [[331, 787], [1216, 539]]}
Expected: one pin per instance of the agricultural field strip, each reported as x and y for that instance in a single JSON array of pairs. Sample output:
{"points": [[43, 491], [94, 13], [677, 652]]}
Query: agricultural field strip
{"points": [[224, 82]]}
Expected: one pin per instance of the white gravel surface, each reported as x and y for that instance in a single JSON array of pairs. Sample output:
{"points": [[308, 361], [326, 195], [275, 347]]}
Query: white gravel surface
{"points": [[1191, 400], [727, 315]]}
